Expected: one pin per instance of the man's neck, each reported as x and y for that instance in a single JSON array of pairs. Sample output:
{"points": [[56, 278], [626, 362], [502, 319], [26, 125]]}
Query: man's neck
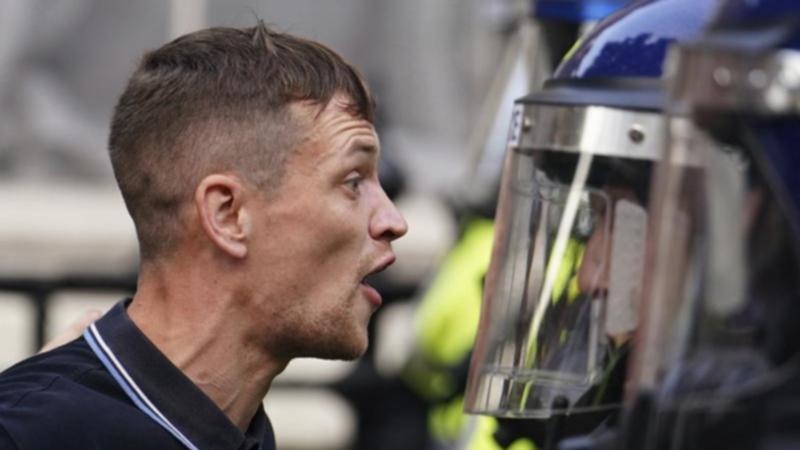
{"points": [[197, 332]]}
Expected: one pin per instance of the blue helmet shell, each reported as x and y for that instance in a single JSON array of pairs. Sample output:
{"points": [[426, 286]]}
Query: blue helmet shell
{"points": [[619, 63], [758, 24], [576, 11], [742, 11], [633, 42]]}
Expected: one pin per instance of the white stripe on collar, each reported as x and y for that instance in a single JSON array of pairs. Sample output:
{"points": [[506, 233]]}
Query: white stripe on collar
{"points": [[117, 370]]}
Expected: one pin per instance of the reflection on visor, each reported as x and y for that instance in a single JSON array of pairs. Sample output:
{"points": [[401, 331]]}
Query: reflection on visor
{"points": [[561, 293], [555, 195]]}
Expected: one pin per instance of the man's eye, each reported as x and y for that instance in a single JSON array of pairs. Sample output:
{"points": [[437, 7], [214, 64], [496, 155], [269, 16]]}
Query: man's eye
{"points": [[354, 183]]}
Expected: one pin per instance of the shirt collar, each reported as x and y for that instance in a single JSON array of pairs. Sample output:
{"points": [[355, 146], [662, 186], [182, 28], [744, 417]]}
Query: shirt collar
{"points": [[164, 392]]}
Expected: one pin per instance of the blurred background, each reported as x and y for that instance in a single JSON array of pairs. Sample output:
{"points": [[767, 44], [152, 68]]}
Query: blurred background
{"points": [[67, 244]]}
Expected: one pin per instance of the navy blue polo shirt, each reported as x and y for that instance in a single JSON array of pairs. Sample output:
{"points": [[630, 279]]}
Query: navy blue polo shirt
{"points": [[113, 389]]}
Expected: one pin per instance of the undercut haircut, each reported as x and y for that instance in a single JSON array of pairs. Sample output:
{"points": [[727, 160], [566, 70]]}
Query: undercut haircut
{"points": [[215, 101]]}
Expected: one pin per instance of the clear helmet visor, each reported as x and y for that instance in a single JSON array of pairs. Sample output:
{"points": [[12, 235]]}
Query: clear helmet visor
{"points": [[561, 294], [722, 300]]}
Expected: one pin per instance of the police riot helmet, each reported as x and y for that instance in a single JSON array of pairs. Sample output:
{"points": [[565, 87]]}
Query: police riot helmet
{"points": [[561, 295], [719, 342]]}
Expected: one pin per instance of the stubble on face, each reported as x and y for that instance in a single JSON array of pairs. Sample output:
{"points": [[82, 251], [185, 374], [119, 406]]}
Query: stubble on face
{"points": [[317, 309], [323, 335]]}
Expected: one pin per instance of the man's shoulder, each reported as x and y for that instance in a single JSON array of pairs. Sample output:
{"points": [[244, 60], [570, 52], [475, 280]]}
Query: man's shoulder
{"points": [[47, 372], [66, 396]]}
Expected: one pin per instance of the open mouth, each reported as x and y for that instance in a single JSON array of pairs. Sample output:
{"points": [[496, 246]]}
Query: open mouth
{"points": [[369, 281], [373, 274]]}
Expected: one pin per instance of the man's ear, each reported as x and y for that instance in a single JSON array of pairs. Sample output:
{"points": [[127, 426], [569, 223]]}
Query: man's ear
{"points": [[219, 200]]}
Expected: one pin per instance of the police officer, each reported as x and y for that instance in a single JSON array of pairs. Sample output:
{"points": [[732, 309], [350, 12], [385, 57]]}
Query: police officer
{"points": [[561, 295], [446, 319], [718, 365]]}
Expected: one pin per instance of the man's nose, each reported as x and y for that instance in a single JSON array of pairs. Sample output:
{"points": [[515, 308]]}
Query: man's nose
{"points": [[387, 223], [593, 274]]}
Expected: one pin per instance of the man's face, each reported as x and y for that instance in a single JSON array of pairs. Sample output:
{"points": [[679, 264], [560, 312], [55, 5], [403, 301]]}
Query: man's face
{"points": [[593, 277], [327, 227]]}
